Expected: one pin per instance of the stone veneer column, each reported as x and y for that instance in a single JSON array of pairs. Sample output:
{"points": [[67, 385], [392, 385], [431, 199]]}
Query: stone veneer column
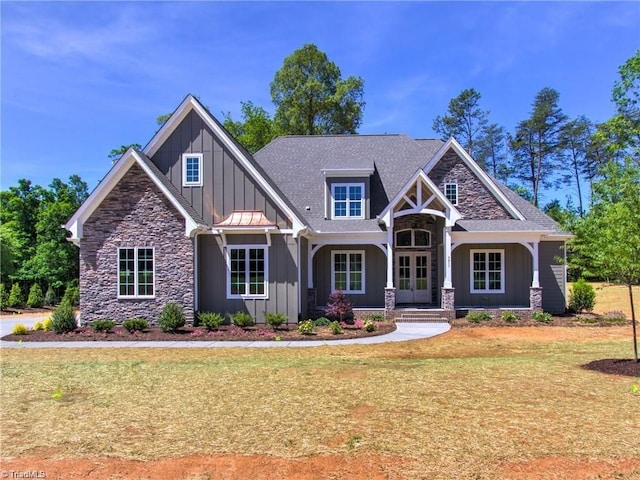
{"points": [[389, 301], [448, 299], [535, 298]]}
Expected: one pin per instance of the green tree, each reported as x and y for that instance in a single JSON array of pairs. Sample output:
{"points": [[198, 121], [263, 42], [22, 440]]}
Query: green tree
{"points": [[18, 214], [116, 153], [609, 236], [576, 136], [15, 296], [311, 98], [55, 260], [491, 151], [465, 121], [537, 143], [256, 128]]}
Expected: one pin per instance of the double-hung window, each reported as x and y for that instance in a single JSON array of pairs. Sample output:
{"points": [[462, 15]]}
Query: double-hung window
{"points": [[247, 272], [451, 192], [192, 169], [347, 271], [487, 271], [347, 200], [136, 272]]}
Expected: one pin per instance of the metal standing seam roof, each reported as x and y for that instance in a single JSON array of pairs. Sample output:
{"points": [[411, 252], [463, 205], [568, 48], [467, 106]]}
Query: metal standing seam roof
{"points": [[246, 218]]}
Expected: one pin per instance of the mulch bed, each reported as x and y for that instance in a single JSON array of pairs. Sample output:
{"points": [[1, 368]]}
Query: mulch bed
{"points": [[615, 366], [585, 320], [225, 333]]}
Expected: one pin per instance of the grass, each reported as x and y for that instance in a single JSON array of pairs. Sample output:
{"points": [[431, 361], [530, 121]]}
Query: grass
{"points": [[453, 406], [614, 298]]}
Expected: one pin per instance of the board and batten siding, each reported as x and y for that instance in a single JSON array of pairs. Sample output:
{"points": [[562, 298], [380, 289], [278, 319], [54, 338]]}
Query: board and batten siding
{"points": [[552, 276], [518, 266], [283, 286], [375, 275], [226, 185]]}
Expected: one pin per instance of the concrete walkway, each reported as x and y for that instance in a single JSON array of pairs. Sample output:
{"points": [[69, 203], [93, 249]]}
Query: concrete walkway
{"points": [[404, 332]]}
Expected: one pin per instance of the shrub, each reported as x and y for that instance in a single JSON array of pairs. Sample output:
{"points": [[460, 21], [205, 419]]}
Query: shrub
{"points": [[582, 297], [339, 306], [19, 329], [47, 324], [306, 327], [63, 319], [36, 297], [509, 317], [38, 326], [50, 297], [4, 297], [242, 319], [210, 320], [374, 317], [275, 319], [370, 326], [72, 295], [171, 317], [477, 317], [335, 327], [321, 322], [587, 320], [614, 317], [135, 324], [103, 325], [542, 317], [15, 296]]}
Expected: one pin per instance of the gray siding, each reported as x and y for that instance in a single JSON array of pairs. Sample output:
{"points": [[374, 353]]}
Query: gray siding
{"points": [[375, 275], [283, 285], [226, 185], [518, 275], [552, 276]]}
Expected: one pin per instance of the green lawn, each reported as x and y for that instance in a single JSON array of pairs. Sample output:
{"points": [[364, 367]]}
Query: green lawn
{"points": [[453, 406]]}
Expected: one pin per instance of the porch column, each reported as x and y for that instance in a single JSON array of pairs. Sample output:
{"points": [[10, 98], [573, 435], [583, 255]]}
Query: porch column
{"points": [[447, 258], [389, 259], [535, 282]]}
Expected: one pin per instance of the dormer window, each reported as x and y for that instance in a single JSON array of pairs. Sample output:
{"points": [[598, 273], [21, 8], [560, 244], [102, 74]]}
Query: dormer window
{"points": [[192, 169], [347, 200], [451, 192]]}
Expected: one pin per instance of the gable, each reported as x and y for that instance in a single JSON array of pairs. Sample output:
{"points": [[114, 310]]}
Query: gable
{"points": [[475, 200], [226, 187]]}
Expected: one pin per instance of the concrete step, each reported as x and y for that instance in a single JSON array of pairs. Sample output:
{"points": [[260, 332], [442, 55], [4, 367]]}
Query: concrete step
{"points": [[422, 320]]}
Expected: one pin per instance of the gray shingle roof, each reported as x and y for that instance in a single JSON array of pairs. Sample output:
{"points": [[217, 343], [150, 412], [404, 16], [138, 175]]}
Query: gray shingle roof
{"points": [[295, 164]]}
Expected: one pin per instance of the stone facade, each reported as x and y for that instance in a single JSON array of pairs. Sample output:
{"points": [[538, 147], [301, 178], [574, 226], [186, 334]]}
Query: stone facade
{"points": [[448, 298], [535, 298], [475, 201], [135, 214], [389, 302]]}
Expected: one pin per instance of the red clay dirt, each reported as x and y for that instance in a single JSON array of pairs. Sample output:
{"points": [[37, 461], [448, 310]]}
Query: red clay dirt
{"points": [[258, 467]]}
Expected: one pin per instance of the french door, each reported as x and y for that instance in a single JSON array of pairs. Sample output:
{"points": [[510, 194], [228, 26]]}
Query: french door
{"points": [[413, 277]]}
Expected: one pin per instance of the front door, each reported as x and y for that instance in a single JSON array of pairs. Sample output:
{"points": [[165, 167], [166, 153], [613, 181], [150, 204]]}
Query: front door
{"points": [[413, 273]]}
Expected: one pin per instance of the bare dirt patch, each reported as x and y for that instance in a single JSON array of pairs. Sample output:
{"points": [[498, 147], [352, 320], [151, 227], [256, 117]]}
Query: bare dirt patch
{"points": [[218, 467], [564, 468]]}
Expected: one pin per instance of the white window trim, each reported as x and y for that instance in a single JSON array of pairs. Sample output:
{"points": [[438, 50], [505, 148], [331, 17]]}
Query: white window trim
{"points": [[135, 272], [333, 270], [454, 184], [199, 156], [265, 248], [413, 238], [502, 269], [333, 199]]}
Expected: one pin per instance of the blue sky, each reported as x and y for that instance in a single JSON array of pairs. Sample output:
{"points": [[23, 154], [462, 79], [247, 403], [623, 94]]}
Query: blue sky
{"points": [[81, 78]]}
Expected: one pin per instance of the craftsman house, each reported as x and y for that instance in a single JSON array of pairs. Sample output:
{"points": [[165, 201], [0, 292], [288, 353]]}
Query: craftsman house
{"points": [[391, 221]]}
